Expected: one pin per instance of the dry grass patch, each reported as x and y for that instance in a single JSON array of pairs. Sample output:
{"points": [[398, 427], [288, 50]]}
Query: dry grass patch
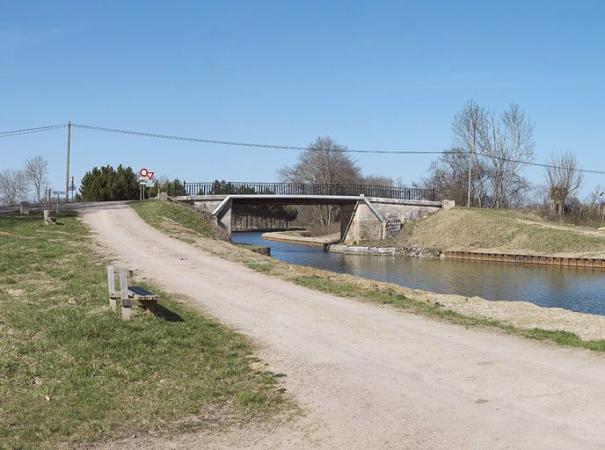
{"points": [[495, 231]]}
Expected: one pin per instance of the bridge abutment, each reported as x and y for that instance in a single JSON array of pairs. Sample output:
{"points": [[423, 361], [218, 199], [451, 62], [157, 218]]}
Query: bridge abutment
{"points": [[360, 223], [212, 205]]}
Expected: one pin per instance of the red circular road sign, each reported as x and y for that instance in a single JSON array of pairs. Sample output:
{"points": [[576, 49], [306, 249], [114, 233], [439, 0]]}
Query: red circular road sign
{"points": [[146, 173]]}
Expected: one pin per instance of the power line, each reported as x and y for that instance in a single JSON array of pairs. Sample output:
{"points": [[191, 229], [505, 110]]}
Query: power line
{"points": [[296, 148], [241, 144], [29, 130], [277, 147]]}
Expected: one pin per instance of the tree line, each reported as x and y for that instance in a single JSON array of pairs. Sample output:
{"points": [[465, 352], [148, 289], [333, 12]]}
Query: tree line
{"points": [[29, 183], [484, 166]]}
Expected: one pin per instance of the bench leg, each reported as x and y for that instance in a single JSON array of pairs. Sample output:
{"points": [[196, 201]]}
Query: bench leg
{"points": [[113, 303], [126, 312], [150, 309]]}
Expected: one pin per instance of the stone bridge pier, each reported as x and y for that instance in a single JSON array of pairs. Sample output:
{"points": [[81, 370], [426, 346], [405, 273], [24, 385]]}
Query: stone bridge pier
{"points": [[362, 218], [377, 219]]}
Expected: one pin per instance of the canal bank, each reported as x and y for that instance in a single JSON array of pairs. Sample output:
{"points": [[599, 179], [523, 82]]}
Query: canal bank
{"points": [[383, 251], [570, 288], [296, 237], [518, 317], [557, 290], [493, 257]]}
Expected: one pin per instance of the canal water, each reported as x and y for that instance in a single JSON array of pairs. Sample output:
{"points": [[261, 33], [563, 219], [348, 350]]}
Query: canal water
{"points": [[581, 290]]}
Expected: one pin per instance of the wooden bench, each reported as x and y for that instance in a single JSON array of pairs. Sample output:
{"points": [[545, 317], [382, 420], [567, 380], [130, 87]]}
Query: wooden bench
{"points": [[128, 295]]}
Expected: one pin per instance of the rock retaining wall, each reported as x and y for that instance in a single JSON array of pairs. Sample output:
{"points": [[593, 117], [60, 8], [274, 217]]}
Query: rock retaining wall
{"points": [[383, 251]]}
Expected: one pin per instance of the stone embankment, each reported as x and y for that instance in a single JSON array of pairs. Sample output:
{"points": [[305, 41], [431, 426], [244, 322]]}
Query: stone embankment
{"points": [[543, 260], [289, 238], [383, 251]]}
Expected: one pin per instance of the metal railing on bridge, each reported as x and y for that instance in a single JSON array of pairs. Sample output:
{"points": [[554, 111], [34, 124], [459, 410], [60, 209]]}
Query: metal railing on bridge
{"points": [[229, 188]]}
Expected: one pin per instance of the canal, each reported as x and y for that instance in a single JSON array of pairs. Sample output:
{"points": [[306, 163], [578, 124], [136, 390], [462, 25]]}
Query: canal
{"points": [[581, 290]]}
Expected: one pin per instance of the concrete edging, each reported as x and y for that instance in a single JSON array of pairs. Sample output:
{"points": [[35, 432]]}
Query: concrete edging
{"points": [[300, 240], [383, 251]]}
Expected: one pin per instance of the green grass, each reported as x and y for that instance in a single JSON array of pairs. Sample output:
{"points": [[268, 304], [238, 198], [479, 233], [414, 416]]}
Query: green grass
{"points": [[265, 268], [162, 215], [71, 371]]}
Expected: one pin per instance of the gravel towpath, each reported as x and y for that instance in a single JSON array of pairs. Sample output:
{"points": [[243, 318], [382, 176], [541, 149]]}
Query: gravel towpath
{"points": [[365, 376]]}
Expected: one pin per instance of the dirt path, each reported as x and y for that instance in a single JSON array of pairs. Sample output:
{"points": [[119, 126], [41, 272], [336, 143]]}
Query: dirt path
{"points": [[569, 229], [370, 377]]}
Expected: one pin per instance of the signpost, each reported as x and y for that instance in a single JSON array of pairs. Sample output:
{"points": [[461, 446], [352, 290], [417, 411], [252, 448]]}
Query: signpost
{"points": [[47, 219], [57, 193], [72, 187], [145, 181]]}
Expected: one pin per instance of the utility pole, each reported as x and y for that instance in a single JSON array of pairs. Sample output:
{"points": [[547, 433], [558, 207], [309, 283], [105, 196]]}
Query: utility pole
{"points": [[68, 150], [470, 177]]}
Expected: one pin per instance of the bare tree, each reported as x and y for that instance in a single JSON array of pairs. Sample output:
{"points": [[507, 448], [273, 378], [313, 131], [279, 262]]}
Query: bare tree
{"points": [[13, 186], [324, 162], [35, 172], [493, 148], [596, 203], [378, 180], [596, 197], [518, 149], [507, 142], [562, 178], [448, 176], [467, 127]]}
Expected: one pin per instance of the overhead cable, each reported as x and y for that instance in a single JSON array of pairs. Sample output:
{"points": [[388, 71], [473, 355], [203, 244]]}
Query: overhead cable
{"points": [[297, 148], [30, 130], [279, 147]]}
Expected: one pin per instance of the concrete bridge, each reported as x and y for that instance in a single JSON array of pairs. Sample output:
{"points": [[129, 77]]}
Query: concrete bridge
{"points": [[362, 217]]}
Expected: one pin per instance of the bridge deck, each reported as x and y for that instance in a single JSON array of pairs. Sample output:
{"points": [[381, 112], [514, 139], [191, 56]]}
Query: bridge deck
{"points": [[272, 199]]}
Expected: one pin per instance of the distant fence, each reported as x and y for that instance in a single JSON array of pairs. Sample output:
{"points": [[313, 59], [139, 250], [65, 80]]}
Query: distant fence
{"points": [[229, 188]]}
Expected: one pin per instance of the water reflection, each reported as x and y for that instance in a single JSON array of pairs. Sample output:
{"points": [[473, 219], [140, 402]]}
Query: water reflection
{"points": [[574, 289]]}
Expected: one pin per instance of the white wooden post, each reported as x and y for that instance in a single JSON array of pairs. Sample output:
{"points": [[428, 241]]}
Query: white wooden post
{"points": [[112, 287], [126, 302]]}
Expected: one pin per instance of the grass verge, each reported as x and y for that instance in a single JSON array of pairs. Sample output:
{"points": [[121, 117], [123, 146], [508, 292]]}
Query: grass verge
{"points": [[72, 372], [165, 215], [475, 229]]}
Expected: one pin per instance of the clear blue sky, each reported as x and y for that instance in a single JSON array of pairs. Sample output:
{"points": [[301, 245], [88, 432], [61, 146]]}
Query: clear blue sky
{"points": [[372, 74]]}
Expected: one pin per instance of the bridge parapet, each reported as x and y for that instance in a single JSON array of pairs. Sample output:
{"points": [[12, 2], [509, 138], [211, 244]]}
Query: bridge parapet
{"points": [[246, 188]]}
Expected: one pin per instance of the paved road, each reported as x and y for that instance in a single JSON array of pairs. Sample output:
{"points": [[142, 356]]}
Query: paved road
{"points": [[77, 206], [371, 377]]}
